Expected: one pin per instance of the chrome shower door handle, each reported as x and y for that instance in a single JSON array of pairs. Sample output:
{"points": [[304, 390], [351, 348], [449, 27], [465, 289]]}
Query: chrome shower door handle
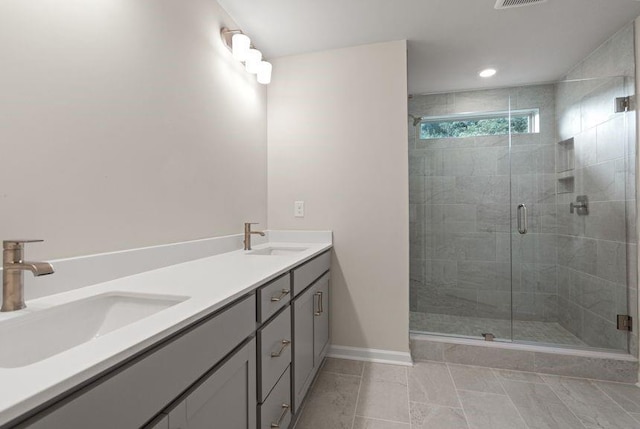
{"points": [[522, 218]]}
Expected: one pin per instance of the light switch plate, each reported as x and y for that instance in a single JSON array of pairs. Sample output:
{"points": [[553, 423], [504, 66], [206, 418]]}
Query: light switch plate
{"points": [[298, 209]]}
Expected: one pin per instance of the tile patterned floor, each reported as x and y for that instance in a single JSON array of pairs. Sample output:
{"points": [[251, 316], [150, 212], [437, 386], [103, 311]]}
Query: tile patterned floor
{"points": [[539, 332], [358, 395]]}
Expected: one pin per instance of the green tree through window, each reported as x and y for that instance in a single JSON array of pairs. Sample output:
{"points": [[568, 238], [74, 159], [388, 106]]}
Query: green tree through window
{"points": [[480, 126]]}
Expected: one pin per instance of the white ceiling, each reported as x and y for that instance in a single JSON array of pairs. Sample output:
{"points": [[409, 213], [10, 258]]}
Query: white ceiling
{"points": [[449, 40]]}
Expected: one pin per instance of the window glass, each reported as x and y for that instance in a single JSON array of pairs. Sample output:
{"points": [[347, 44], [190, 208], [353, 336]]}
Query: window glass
{"points": [[480, 125]]}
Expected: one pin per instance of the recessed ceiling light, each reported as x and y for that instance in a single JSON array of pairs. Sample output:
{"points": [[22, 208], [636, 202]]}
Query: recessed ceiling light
{"points": [[487, 72]]}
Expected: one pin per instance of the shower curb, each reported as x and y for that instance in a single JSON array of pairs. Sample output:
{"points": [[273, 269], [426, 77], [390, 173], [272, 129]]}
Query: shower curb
{"points": [[597, 365]]}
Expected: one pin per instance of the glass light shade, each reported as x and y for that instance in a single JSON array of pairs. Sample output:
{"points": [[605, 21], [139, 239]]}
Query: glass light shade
{"points": [[240, 44], [252, 62], [264, 72]]}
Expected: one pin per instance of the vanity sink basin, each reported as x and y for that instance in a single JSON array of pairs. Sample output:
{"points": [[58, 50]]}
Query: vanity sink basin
{"points": [[277, 251], [36, 336]]}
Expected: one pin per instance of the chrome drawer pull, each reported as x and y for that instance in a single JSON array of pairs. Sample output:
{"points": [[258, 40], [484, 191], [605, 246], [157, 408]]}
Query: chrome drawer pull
{"points": [[284, 293], [285, 344], [320, 306], [285, 410]]}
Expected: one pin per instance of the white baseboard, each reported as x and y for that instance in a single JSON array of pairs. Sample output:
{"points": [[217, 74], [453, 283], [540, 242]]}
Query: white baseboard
{"points": [[370, 355]]}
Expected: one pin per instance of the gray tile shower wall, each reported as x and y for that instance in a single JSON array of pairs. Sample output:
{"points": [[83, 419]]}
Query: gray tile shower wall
{"points": [[597, 253], [461, 212]]}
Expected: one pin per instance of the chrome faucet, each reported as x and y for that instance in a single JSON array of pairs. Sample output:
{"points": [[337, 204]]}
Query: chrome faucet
{"points": [[247, 235], [13, 268]]}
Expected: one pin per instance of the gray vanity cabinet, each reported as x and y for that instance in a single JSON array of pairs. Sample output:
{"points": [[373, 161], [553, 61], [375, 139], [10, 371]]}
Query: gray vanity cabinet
{"points": [[225, 399], [252, 360], [311, 336]]}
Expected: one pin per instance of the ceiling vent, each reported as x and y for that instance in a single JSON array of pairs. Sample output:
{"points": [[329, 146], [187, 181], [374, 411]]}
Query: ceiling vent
{"points": [[507, 4]]}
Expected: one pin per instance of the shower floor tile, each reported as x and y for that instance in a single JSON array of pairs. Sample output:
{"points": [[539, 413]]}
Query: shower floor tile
{"points": [[539, 332]]}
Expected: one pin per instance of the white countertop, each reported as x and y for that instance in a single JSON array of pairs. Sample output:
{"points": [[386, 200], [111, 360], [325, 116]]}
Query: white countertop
{"points": [[209, 283]]}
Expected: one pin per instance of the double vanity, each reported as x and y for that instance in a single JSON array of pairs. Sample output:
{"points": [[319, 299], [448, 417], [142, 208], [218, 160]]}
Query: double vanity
{"points": [[230, 341]]}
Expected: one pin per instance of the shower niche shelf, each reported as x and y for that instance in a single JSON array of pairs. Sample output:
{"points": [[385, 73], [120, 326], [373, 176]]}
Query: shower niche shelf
{"points": [[566, 159], [565, 166], [566, 184]]}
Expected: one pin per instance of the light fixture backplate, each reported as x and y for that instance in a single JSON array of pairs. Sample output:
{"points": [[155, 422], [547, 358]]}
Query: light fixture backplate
{"points": [[226, 35]]}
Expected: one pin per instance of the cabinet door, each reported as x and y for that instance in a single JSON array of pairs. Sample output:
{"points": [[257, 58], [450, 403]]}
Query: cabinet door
{"points": [[227, 399], [321, 320], [303, 308]]}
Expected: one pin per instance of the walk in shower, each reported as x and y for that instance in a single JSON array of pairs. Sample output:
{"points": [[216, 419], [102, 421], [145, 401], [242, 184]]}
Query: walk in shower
{"points": [[523, 208]]}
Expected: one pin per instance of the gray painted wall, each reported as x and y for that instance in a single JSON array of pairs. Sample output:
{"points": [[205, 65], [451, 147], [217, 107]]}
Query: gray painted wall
{"points": [[353, 180], [126, 125]]}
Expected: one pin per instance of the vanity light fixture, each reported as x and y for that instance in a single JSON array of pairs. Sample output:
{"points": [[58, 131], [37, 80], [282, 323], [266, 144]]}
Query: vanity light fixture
{"points": [[487, 72], [241, 45], [254, 58], [264, 72], [242, 49]]}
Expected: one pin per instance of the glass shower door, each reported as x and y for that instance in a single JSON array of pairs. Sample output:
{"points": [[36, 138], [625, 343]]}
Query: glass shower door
{"points": [[460, 215], [574, 176]]}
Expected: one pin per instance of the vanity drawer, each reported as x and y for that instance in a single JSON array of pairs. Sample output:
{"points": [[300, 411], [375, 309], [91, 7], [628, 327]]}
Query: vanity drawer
{"points": [[273, 297], [305, 275], [274, 345], [275, 412]]}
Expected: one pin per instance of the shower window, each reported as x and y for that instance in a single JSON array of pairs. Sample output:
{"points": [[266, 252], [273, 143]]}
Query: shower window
{"points": [[483, 124]]}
